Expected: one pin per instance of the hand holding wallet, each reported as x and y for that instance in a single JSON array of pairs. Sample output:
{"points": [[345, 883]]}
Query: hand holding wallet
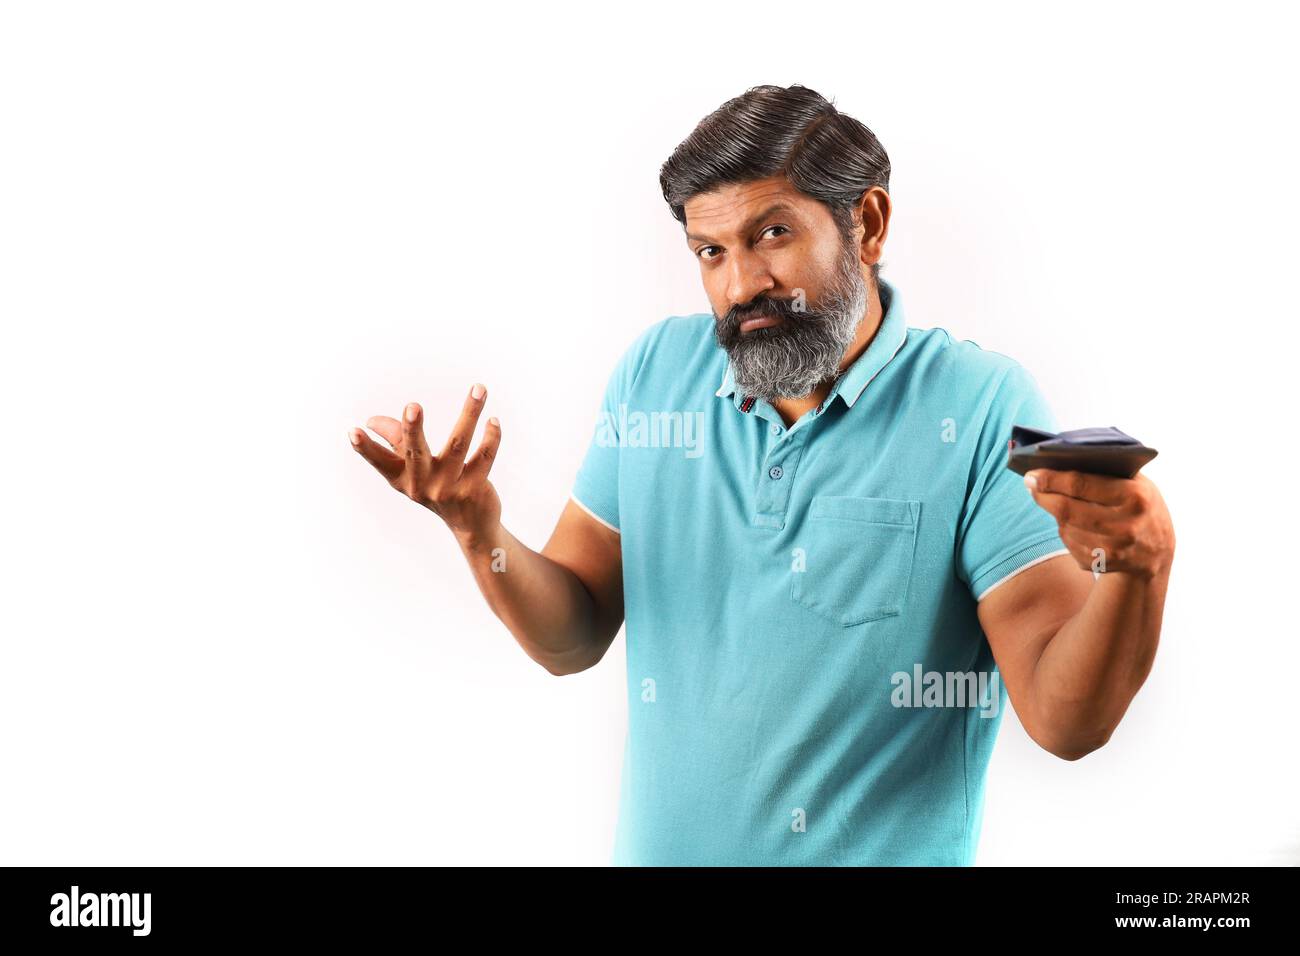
{"points": [[1098, 451]]}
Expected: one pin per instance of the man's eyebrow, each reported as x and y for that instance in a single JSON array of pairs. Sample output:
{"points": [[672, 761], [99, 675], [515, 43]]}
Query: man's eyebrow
{"points": [[750, 222]]}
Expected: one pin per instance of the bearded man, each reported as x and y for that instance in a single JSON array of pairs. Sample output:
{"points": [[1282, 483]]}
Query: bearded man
{"points": [[829, 598]]}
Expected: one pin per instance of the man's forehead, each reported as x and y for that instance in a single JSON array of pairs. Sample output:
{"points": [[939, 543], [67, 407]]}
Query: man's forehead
{"points": [[734, 202]]}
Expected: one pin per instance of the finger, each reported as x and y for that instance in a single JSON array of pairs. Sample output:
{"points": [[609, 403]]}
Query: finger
{"points": [[1103, 489], [1077, 513], [480, 463], [390, 429], [386, 463], [414, 448], [458, 442], [1089, 547]]}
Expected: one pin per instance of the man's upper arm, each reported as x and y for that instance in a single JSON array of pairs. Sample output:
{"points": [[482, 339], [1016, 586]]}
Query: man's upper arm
{"points": [[594, 553], [1019, 618], [1009, 552], [587, 539]]}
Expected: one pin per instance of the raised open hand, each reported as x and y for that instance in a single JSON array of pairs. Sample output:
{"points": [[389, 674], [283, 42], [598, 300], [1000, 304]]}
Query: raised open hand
{"points": [[455, 489]]}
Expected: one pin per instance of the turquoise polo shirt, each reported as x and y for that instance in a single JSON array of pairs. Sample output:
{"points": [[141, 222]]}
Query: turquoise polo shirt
{"points": [[808, 683]]}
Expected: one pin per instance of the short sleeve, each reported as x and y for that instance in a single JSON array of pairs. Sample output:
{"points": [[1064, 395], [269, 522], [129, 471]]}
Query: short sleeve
{"points": [[595, 488], [1003, 531]]}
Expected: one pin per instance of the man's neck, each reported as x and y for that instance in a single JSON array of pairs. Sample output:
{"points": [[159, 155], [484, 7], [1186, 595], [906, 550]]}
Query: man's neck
{"points": [[793, 409]]}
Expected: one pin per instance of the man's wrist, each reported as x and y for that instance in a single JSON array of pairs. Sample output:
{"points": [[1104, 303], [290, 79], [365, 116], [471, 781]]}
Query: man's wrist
{"points": [[478, 541], [1157, 576]]}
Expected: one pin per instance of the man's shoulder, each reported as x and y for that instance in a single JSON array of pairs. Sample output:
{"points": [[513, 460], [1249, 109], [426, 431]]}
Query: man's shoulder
{"points": [[680, 332], [674, 346], [962, 363]]}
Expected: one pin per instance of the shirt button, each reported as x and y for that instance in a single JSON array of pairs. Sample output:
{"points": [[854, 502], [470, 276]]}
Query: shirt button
{"points": [[775, 472], [776, 429]]}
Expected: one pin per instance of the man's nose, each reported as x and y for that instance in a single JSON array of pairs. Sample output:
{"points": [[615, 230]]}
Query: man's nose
{"points": [[747, 278]]}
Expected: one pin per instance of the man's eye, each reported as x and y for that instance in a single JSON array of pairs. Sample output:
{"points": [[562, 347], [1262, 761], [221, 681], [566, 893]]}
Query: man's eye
{"points": [[701, 252], [770, 228]]}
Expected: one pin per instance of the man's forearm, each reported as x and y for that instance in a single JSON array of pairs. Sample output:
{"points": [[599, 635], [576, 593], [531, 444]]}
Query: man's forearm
{"points": [[1093, 666], [543, 604]]}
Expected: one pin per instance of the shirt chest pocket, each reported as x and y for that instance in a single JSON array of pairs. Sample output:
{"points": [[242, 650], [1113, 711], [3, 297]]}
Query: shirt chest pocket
{"points": [[856, 558]]}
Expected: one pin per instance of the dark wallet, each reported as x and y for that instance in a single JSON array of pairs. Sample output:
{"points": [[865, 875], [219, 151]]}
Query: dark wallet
{"points": [[1098, 451]]}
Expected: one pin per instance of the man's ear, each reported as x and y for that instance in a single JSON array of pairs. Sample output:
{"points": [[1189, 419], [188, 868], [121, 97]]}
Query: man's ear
{"points": [[871, 214]]}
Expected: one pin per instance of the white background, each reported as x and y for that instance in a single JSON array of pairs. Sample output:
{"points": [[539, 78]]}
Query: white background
{"points": [[231, 231]]}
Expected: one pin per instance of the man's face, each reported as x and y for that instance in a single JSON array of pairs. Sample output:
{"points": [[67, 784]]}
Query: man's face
{"points": [[787, 292]]}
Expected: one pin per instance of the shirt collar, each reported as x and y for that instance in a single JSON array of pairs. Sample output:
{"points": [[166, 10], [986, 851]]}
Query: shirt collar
{"points": [[889, 338], [728, 383]]}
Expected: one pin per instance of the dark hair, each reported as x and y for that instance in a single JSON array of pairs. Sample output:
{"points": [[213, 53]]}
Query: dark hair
{"points": [[771, 130]]}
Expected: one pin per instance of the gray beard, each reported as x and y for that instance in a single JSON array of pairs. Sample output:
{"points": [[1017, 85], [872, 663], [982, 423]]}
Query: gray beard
{"points": [[791, 359]]}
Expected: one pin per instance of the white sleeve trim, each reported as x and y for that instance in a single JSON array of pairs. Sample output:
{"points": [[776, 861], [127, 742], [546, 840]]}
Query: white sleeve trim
{"points": [[1024, 567], [593, 514]]}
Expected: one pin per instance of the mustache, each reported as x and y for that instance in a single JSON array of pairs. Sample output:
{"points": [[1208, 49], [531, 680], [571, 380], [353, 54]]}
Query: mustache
{"points": [[760, 308]]}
